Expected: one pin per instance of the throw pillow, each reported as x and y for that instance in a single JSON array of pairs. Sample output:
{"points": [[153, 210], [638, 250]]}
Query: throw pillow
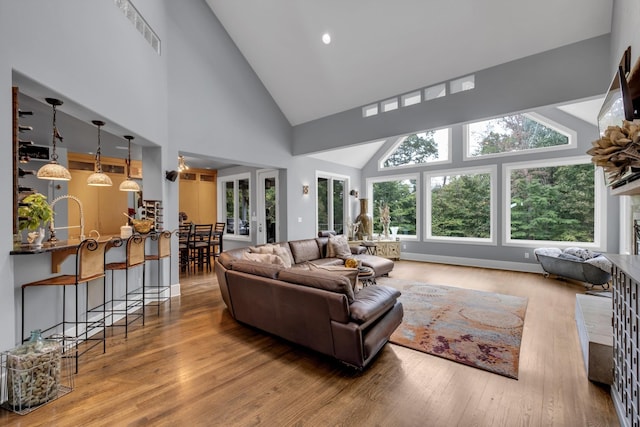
{"points": [[266, 258], [579, 252], [284, 254], [338, 247]]}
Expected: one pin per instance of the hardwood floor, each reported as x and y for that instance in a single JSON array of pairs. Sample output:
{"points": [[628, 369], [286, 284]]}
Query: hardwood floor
{"points": [[196, 366]]}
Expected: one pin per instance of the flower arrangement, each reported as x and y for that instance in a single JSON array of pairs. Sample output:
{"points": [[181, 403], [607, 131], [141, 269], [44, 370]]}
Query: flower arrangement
{"points": [[617, 150], [385, 217]]}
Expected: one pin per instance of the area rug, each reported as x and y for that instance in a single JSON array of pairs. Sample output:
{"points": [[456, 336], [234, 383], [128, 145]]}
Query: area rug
{"points": [[477, 328]]}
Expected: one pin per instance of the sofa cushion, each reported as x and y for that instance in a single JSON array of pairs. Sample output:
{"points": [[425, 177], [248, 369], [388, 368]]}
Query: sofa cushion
{"points": [[380, 265], [338, 247], [349, 273], [304, 250], [258, 268], [372, 301], [320, 280]]}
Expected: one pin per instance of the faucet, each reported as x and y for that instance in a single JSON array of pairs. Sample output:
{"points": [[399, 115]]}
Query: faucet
{"points": [[52, 227]]}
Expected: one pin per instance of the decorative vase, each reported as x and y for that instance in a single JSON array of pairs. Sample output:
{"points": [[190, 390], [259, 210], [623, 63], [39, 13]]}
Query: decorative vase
{"points": [[394, 232], [36, 237], [365, 230]]}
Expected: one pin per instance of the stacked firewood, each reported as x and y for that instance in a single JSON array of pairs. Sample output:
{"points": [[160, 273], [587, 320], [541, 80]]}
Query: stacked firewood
{"points": [[617, 150]]}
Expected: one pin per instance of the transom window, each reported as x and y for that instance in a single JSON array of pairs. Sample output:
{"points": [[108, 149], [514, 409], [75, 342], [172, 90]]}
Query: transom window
{"points": [[515, 134], [461, 205], [554, 202], [430, 146]]}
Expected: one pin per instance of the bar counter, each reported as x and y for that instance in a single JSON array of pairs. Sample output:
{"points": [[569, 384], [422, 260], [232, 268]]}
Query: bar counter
{"points": [[59, 249]]}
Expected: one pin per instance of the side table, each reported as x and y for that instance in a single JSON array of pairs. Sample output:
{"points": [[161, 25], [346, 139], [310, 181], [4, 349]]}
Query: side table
{"points": [[366, 276]]}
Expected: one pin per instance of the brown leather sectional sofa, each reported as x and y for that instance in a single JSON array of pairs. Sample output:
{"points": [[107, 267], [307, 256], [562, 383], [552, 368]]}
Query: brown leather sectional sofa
{"points": [[312, 307]]}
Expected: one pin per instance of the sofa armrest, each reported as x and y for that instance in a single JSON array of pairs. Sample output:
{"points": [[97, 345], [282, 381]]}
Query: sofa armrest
{"points": [[371, 302], [358, 250]]}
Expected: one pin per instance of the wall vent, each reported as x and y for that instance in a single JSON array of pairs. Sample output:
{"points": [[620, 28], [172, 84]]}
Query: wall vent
{"points": [[139, 22]]}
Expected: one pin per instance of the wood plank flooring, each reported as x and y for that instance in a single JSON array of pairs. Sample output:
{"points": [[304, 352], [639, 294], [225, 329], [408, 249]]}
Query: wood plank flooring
{"points": [[196, 366]]}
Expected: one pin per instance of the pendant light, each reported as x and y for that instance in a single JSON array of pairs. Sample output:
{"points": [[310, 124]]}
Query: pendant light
{"points": [[129, 184], [99, 179], [53, 170]]}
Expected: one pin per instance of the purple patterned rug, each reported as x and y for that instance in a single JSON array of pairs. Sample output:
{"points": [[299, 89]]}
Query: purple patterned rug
{"points": [[477, 328]]}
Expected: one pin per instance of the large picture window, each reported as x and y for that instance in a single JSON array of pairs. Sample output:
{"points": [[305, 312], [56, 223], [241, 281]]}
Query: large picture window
{"points": [[515, 134], [431, 146], [400, 194], [553, 202], [331, 203], [461, 205], [236, 204]]}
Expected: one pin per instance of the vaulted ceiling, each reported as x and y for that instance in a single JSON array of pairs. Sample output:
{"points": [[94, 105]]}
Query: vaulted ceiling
{"points": [[383, 48]]}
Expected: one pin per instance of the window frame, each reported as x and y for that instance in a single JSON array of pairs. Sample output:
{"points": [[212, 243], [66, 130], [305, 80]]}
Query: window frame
{"points": [[599, 210], [400, 139], [222, 203], [370, 202], [571, 134], [346, 208], [492, 170]]}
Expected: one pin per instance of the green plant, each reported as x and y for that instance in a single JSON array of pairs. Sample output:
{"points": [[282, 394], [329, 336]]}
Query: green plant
{"points": [[35, 213]]}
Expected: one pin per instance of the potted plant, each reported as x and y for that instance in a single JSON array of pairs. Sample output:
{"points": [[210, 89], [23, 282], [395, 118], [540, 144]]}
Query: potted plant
{"points": [[34, 214]]}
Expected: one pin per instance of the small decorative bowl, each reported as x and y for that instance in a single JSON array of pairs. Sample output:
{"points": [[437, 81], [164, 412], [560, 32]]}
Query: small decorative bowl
{"points": [[142, 226]]}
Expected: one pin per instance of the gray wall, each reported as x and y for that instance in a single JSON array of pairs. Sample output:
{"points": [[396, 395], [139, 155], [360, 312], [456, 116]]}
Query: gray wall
{"points": [[580, 70]]}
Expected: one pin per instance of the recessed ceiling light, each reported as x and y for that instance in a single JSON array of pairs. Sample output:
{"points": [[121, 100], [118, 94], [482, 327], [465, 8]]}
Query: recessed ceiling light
{"points": [[326, 38]]}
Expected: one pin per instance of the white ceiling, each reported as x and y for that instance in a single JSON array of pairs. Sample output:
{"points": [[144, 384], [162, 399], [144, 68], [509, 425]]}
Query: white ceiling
{"points": [[384, 48]]}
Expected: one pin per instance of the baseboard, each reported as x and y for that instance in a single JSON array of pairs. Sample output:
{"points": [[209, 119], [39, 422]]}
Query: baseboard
{"points": [[175, 290], [474, 262]]}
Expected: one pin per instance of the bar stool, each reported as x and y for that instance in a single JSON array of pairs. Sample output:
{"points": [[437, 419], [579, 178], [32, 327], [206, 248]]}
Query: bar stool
{"points": [[162, 250], [134, 257], [89, 266]]}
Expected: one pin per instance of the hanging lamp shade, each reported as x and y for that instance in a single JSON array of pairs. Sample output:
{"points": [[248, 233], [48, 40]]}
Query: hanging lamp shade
{"points": [[129, 184], [53, 170], [99, 179]]}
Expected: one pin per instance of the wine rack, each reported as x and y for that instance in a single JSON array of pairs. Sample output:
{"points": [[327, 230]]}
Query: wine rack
{"points": [[153, 211]]}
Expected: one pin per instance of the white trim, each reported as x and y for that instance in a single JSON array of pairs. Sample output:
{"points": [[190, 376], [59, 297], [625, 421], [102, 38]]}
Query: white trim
{"points": [[369, 186], [492, 170], [401, 139], [474, 262], [600, 211], [569, 133], [346, 208], [222, 207]]}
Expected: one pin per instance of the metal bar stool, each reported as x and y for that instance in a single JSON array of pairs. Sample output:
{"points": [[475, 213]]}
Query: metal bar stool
{"points": [[134, 257], [89, 266], [162, 250]]}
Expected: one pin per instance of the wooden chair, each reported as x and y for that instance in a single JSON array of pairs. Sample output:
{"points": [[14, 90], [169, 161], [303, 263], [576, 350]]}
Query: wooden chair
{"points": [[162, 250], [200, 247], [186, 237], [128, 305], [89, 266], [217, 238]]}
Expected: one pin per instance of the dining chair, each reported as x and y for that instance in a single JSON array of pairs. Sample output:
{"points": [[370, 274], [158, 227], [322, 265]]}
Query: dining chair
{"points": [[200, 246], [217, 238], [185, 239]]}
